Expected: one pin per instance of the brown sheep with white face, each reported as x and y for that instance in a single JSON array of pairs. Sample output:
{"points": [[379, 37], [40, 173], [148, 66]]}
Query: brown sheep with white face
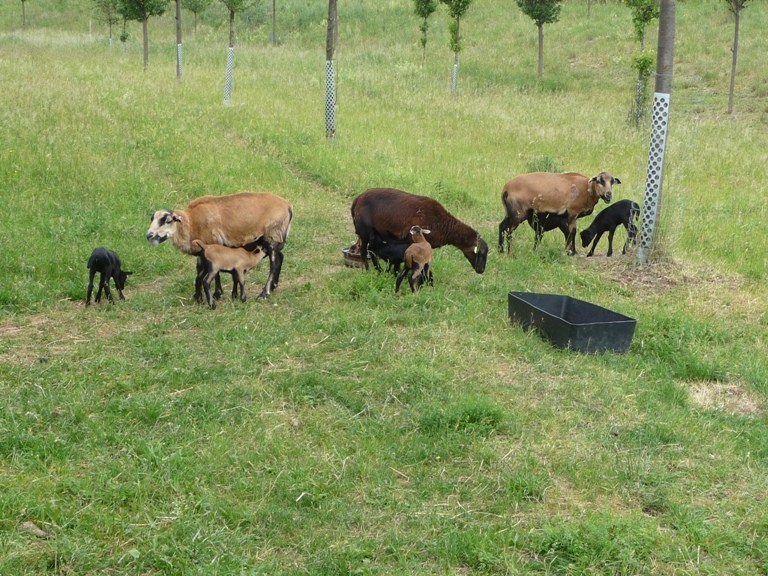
{"points": [[245, 218], [569, 194]]}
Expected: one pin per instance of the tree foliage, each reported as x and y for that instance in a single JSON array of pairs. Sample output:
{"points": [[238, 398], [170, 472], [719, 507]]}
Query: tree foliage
{"points": [[643, 13], [541, 11], [424, 9], [141, 10], [456, 9]]}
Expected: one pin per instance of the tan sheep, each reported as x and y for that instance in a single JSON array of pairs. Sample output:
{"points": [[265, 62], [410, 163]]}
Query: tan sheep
{"points": [[418, 260], [217, 258], [569, 194], [236, 220]]}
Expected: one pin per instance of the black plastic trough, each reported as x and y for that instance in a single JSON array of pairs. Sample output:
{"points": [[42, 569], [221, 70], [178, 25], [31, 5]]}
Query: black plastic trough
{"points": [[572, 323]]}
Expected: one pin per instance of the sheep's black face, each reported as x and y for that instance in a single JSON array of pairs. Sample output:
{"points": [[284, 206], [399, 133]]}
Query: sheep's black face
{"points": [[161, 227], [479, 256], [120, 279]]}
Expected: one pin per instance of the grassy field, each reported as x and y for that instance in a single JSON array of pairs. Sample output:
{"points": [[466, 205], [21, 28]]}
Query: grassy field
{"points": [[339, 428]]}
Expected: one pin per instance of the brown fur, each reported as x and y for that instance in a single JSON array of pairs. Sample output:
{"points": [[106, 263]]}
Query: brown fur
{"points": [[217, 258], [418, 260], [387, 215], [234, 220], [568, 194]]}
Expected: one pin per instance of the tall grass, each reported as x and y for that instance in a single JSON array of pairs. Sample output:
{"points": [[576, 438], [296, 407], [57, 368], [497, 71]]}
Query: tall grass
{"points": [[338, 428]]}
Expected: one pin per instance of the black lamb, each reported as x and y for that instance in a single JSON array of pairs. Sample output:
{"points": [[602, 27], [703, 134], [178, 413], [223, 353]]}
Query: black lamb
{"points": [[621, 212], [107, 263]]}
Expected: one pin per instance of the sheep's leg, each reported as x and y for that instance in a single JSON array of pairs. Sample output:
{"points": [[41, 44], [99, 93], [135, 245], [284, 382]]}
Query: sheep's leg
{"points": [[206, 281], [631, 233], [504, 231], [119, 291], [238, 277], [199, 279], [610, 241], [90, 287], [267, 290], [400, 277], [105, 279], [218, 291], [570, 241], [594, 243], [278, 267]]}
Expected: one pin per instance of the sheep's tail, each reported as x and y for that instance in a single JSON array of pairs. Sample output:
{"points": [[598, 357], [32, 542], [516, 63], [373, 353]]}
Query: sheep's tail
{"points": [[635, 215]]}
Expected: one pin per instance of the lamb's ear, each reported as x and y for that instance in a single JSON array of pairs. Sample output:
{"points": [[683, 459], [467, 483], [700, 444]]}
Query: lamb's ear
{"points": [[127, 273]]}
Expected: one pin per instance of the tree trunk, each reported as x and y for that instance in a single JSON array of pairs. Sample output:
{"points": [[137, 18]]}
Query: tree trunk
{"points": [[178, 40], [274, 22], [736, 13], [331, 40], [145, 32], [659, 129], [231, 28], [331, 36], [541, 51]]}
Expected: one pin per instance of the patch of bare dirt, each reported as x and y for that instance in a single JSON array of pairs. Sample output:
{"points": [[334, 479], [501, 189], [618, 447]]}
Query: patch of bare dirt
{"points": [[731, 397]]}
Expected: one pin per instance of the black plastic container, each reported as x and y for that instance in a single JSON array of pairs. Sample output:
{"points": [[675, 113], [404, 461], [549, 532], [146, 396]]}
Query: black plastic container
{"points": [[572, 323]]}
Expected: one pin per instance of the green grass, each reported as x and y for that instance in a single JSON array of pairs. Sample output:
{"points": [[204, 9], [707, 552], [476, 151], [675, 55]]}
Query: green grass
{"points": [[339, 428]]}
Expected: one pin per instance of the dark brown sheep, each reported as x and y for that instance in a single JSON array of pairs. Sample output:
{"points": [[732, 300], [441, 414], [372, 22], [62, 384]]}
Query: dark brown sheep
{"points": [[569, 194], [387, 215]]}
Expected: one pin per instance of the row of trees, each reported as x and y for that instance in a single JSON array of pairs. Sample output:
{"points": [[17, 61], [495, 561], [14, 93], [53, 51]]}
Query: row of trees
{"points": [[541, 12]]}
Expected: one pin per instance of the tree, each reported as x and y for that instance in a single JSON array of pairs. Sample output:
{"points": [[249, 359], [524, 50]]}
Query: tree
{"points": [[331, 41], [541, 12], [424, 9], [178, 40], [643, 13], [457, 9], [23, 13], [735, 6], [140, 11], [234, 6], [665, 55], [107, 11], [197, 7]]}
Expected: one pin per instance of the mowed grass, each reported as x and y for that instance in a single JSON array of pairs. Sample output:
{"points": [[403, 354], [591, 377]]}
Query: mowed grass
{"points": [[338, 428]]}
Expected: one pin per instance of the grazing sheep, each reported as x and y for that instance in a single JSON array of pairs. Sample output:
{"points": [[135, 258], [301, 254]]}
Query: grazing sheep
{"points": [[569, 194], [545, 221], [107, 263], [217, 258], [622, 212], [418, 260], [233, 220], [387, 215]]}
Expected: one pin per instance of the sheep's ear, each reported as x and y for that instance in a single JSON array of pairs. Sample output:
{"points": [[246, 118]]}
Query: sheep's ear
{"points": [[593, 178], [175, 218], [616, 180], [127, 273]]}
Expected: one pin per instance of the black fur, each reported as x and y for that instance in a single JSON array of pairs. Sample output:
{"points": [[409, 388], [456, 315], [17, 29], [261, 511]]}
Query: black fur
{"points": [[107, 263], [621, 212]]}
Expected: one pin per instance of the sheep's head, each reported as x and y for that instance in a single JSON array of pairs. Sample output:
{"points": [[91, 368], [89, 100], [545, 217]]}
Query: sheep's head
{"points": [[163, 226], [477, 254], [416, 230], [602, 185]]}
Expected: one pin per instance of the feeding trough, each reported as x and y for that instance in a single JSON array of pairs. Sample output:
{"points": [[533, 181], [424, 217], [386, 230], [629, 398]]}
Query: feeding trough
{"points": [[352, 256], [572, 323]]}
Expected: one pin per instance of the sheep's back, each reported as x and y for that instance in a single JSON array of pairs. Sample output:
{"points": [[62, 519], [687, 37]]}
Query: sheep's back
{"points": [[238, 219], [391, 213]]}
